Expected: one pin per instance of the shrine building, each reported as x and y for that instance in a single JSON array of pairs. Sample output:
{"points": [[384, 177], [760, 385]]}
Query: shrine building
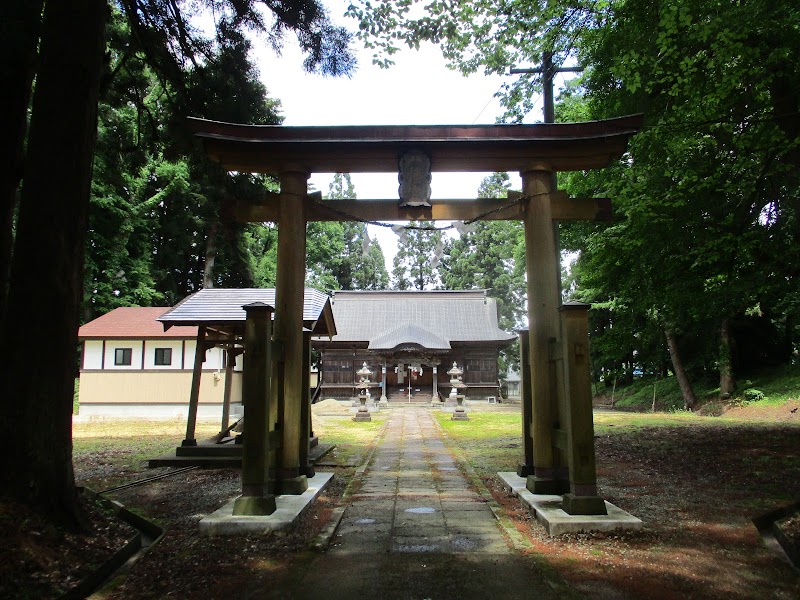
{"points": [[409, 339]]}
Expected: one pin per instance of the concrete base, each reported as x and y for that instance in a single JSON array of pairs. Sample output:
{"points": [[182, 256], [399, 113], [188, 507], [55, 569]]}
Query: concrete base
{"points": [[370, 408], [450, 409], [548, 511], [294, 486], [254, 506], [583, 505], [524, 470], [362, 416], [459, 415], [544, 486], [288, 511]]}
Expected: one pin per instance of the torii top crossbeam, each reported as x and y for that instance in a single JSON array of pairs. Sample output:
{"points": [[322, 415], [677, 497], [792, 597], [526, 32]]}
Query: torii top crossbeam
{"points": [[376, 148]]}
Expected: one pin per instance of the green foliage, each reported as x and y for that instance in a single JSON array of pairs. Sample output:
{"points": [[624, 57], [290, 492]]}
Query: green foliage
{"points": [[771, 386], [489, 258], [360, 264], [154, 218], [753, 395], [639, 395], [706, 212], [412, 265]]}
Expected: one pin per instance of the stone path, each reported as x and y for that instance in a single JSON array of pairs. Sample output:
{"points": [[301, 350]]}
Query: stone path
{"points": [[416, 529]]}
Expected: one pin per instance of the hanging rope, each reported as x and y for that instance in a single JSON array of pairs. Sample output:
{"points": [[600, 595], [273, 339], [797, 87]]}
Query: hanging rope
{"points": [[458, 225]]}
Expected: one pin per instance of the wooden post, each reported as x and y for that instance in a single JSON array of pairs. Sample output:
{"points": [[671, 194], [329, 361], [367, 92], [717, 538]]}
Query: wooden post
{"points": [[306, 468], [230, 355], [226, 397], [194, 394], [257, 495], [582, 498], [289, 292], [526, 468], [543, 301]]}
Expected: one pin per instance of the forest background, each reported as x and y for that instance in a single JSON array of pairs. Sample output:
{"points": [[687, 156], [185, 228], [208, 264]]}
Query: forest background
{"points": [[696, 275]]}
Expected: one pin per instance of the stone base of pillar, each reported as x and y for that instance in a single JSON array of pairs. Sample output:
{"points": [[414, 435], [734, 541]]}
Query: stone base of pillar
{"points": [[546, 485], [192, 442], [362, 416], [583, 505], [524, 470], [383, 402], [291, 486], [254, 505]]}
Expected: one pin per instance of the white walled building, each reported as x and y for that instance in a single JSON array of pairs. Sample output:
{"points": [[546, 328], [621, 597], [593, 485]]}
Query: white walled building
{"points": [[131, 367]]}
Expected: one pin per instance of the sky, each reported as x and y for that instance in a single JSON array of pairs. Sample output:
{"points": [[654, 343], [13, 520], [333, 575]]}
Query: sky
{"points": [[417, 90]]}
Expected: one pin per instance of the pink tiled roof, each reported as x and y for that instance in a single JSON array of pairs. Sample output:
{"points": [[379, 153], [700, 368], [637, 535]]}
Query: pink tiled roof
{"points": [[133, 322]]}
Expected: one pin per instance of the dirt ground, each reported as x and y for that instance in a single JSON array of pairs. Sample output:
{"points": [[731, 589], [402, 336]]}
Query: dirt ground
{"points": [[696, 488]]}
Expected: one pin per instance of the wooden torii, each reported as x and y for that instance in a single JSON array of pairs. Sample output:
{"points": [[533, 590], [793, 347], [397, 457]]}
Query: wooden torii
{"points": [[557, 420]]}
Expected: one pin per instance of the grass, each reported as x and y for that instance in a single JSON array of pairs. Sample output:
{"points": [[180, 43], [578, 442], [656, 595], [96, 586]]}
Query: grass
{"points": [[126, 444], [352, 439], [489, 440], [778, 384], [123, 447]]}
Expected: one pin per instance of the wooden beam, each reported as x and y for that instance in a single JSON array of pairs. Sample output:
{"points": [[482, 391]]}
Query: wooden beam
{"points": [[564, 208], [456, 148]]}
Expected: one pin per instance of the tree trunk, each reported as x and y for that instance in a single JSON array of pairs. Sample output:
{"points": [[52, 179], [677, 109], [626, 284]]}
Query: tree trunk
{"points": [[726, 380], [39, 340], [211, 256], [689, 399], [653, 406], [20, 23]]}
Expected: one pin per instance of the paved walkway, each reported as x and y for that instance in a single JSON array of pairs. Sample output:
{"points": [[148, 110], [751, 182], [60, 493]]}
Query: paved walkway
{"points": [[416, 529]]}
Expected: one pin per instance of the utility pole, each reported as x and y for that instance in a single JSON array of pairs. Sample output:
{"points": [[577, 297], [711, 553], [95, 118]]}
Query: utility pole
{"points": [[548, 73]]}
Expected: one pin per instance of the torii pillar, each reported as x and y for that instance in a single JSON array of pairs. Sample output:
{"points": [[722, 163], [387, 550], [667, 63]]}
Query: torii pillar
{"points": [[290, 478], [541, 254]]}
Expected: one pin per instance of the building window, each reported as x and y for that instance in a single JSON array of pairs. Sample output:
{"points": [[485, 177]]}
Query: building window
{"points": [[163, 357], [123, 356]]}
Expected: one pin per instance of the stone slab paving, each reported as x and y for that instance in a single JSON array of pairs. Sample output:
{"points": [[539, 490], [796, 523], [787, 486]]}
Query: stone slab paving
{"points": [[417, 529]]}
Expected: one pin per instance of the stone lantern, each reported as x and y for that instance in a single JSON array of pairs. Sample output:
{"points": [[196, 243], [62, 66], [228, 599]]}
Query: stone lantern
{"points": [[363, 393], [457, 393]]}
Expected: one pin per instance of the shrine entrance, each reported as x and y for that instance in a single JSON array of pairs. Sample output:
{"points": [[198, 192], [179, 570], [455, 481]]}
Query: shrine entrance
{"points": [[557, 411]]}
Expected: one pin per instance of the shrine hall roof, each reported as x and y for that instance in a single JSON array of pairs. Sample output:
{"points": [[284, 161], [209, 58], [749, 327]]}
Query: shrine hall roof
{"points": [[431, 319], [222, 308]]}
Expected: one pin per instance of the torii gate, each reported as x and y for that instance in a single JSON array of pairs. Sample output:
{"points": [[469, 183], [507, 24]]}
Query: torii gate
{"points": [[557, 420]]}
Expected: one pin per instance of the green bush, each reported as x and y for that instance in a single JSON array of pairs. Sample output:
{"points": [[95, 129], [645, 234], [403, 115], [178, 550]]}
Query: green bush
{"points": [[753, 395]]}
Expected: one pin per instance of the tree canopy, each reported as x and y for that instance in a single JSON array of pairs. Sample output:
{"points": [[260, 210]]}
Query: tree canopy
{"points": [[413, 266], [700, 261], [152, 225]]}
